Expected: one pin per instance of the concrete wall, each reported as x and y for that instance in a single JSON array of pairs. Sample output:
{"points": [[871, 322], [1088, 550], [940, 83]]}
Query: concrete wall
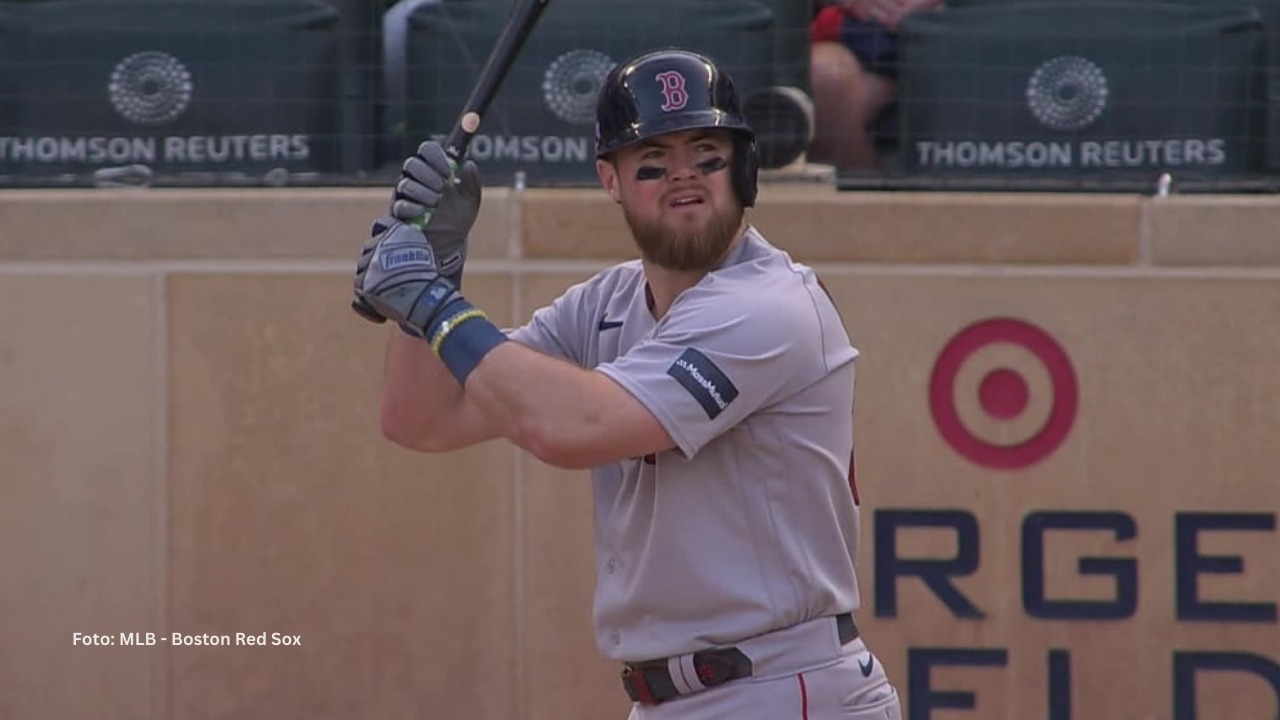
{"points": [[189, 444]]}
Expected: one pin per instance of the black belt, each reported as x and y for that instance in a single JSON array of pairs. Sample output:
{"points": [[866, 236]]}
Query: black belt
{"points": [[650, 683]]}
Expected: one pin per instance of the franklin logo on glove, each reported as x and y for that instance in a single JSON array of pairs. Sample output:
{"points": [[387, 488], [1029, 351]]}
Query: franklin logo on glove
{"points": [[405, 256]]}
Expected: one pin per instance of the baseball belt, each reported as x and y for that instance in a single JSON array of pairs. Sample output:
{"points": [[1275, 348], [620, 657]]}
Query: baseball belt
{"points": [[655, 681]]}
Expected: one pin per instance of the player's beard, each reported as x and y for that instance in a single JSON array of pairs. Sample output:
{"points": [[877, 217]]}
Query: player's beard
{"points": [[697, 250]]}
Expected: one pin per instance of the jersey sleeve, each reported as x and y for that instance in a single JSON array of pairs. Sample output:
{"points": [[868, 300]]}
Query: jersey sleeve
{"points": [[714, 361], [556, 329]]}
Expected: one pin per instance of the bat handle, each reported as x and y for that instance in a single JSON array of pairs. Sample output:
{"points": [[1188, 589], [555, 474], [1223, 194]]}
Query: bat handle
{"points": [[455, 145], [421, 222], [366, 311]]}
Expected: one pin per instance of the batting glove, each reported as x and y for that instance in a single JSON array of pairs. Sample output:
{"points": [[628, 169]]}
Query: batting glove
{"points": [[380, 226], [399, 279], [429, 186]]}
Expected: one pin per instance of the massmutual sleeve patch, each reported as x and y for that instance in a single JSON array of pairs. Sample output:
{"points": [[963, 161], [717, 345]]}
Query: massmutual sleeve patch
{"points": [[704, 380]]}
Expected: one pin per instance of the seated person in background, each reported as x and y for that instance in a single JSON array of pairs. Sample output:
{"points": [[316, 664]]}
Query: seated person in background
{"points": [[853, 73]]}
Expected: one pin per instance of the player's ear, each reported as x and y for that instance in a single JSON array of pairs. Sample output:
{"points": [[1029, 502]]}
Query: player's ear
{"points": [[608, 174]]}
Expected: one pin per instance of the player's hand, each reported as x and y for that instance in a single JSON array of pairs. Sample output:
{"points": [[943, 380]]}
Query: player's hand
{"points": [[361, 307], [398, 278], [428, 185]]}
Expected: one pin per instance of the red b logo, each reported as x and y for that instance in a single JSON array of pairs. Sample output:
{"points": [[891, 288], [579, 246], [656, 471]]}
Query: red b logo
{"points": [[673, 92]]}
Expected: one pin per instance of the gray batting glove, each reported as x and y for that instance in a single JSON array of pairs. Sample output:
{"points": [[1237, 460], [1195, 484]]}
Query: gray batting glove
{"points": [[428, 185], [380, 227], [401, 281]]}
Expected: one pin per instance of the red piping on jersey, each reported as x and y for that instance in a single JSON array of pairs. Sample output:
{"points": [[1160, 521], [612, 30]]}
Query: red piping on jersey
{"points": [[804, 699]]}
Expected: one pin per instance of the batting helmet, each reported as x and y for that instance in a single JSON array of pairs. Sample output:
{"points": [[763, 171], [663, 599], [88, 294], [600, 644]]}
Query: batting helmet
{"points": [[664, 91]]}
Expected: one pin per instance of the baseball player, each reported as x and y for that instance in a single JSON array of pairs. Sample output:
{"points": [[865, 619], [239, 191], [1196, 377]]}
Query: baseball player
{"points": [[708, 385]]}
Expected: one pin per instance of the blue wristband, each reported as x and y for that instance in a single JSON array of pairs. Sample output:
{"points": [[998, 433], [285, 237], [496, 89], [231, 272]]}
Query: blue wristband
{"points": [[463, 344], [455, 307]]}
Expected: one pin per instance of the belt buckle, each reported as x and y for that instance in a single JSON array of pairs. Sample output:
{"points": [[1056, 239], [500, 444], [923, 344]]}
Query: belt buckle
{"points": [[637, 685], [713, 668]]}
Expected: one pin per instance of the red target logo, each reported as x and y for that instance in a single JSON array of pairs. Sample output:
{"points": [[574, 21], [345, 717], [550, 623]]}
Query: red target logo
{"points": [[1003, 393]]}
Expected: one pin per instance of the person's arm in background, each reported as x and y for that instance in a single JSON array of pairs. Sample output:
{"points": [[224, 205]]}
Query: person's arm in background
{"points": [[901, 9], [887, 13]]}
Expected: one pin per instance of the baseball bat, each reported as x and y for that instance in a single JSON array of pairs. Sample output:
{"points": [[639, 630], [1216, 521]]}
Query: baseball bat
{"points": [[519, 26]]}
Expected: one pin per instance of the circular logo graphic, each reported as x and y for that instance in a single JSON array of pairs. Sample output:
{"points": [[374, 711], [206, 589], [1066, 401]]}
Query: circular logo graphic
{"points": [[1003, 393], [572, 82], [150, 88], [1067, 93]]}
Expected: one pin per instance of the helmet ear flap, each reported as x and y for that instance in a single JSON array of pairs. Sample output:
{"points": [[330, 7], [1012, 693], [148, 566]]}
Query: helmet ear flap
{"points": [[746, 169]]}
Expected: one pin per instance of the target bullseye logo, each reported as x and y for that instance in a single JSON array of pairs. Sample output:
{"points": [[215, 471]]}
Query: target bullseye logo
{"points": [[1003, 393]]}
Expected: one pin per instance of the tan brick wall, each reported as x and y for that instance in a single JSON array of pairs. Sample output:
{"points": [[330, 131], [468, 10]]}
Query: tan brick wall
{"points": [[189, 443]]}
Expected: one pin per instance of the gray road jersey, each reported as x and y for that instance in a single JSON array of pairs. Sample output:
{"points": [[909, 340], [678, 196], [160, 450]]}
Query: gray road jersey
{"points": [[748, 525]]}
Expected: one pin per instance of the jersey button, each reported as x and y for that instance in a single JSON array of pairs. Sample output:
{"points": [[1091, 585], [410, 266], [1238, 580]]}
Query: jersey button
{"points": [[616, 637], [611, 566]]}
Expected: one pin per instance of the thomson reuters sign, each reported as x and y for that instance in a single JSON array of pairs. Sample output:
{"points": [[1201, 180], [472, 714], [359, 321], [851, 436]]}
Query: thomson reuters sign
{"points": [[153, 92], [1068, 94]]}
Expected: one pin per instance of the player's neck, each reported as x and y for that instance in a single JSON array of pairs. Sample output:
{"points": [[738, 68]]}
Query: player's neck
{"points": [[665, 285]]}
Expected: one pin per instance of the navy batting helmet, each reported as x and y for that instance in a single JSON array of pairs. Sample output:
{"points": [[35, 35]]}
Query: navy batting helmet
{"points": [[669, 90]]}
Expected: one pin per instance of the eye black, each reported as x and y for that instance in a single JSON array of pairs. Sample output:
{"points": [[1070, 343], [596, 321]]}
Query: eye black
{"points": [[715, 164]]}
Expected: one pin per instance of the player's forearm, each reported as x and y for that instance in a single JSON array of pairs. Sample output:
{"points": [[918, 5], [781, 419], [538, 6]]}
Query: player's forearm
{"points": [[423, 407], [546, 406]]}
